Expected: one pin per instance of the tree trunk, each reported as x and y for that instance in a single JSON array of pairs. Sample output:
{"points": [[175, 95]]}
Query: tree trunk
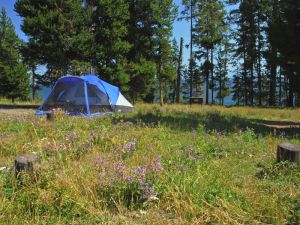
{"points": [[298, 99], [290, 101], [191, 51], [161, 99], [174, 92], [161, 93], [288, 152], [206, 78], [280, 88], [212, 74], [179, 71], [28, 162], [272, 98], [286, 88], [33, 82], [245, 79], [251, 85], [220, 89], [259, 63]]}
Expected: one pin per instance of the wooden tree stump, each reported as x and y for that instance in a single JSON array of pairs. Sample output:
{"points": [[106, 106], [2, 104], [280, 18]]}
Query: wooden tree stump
{"points": [[26, 163], [50, 116], [288, 152]]}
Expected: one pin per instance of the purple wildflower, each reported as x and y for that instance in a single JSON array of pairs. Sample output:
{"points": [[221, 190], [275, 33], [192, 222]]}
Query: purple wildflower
{"points": [[130, 146], [99, 161], [156, 165], [129, 179], [101, 175], [190, 149], [192, 158], [71, 136], [119, 166]]}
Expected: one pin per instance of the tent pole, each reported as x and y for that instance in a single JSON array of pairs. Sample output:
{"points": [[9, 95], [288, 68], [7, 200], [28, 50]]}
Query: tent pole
{"points": [[86, 98]]}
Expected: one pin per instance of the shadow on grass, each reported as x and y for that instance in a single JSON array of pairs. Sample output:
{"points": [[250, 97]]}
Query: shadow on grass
{"points": [[213, 121]]}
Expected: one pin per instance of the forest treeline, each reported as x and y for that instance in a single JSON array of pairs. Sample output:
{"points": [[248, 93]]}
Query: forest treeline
{"points": [[247, 48]]}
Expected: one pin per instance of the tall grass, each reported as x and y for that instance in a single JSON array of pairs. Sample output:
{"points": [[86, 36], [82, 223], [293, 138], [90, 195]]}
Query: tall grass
{"points": [[158, 165], [21, 102]]}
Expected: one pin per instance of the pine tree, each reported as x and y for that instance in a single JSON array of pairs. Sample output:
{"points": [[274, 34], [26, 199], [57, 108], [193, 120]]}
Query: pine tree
{"points": [[246, 51], [164, 13], [222, 79], [57, 33], [237, 89], [140, 57], [209, 29], [189, 13], [288, 43], [14, 80], [149, 31], [179, 71], [261, 18], [109, 21], [271, 54]]}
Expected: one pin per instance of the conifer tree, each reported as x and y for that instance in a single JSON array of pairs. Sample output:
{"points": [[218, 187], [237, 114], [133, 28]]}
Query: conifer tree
{"points": [[179, 71], [57, 34], [109, 21], [222, 64], [164, 13], [209, 29], [14, 80], [190, 13]]}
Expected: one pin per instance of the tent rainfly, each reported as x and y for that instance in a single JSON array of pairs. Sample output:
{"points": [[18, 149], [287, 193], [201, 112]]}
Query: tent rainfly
{"points": [[86, 95]]}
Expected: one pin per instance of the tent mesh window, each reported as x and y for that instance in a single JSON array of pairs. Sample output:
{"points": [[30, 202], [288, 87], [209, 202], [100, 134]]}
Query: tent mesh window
{"points": [[68, 96], [98, 100]]}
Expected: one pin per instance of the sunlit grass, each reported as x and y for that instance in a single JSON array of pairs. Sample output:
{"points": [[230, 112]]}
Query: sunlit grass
{"points": [[20, 102], [218, 167]]}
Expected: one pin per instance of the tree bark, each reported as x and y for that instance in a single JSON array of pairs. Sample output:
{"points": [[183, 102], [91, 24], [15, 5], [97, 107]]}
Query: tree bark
{"points": [[251, 85], [212, 74], [179, 71], [26, 163], [280, 88], [259, 62], [206, 78], [191, 50], [220, 89], [33, 82], [245, 79], [272, 98], [290, 102], [161, 98], [288, 152]]}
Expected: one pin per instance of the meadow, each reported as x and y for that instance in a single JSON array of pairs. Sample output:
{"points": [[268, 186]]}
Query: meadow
{"points": [[175, 164]]}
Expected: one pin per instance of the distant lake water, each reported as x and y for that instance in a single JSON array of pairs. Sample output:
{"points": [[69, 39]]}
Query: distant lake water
{"points": [[44, 92]]}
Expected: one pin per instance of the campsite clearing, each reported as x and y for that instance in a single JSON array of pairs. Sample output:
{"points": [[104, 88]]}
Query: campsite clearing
{"points": [[175, 164]]}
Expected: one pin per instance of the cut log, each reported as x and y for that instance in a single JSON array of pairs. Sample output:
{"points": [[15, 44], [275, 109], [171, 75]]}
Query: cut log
{"points": [[288, 152], [26, 163], [50, 116]]}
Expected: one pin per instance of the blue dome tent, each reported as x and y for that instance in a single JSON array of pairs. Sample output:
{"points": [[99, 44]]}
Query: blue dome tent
{"points": [[86, 95]]}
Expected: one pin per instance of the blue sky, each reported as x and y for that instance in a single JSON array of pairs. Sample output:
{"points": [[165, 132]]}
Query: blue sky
{"points": [[181, 28]]}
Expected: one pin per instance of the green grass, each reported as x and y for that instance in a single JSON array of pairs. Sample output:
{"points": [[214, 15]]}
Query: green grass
{"points": [[218, 167], [20, 102]]}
